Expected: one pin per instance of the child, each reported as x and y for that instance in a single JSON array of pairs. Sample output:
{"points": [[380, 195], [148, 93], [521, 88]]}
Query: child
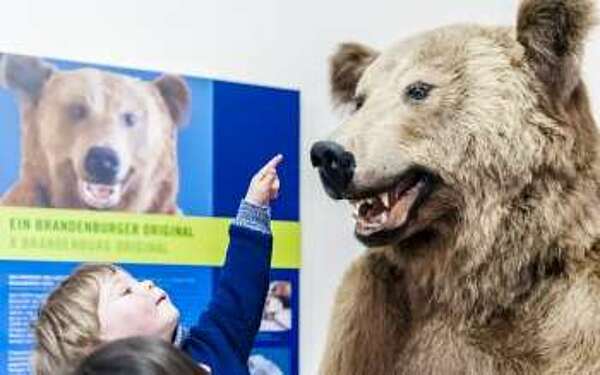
{"points": [[101, 303], [141, 355]]}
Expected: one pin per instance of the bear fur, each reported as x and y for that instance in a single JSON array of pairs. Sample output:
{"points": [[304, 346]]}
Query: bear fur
{"points": [[91, 139], [486, 259]]}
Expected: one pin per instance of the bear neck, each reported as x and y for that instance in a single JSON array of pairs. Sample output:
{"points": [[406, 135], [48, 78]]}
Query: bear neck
{"points": [[477, 275]]}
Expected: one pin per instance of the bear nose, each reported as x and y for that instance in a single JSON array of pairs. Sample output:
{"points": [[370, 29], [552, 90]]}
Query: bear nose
{"points": [[102, 165], [336, 167]]}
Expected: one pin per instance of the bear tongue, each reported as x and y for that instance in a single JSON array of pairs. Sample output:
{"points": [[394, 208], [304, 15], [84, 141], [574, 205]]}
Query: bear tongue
{"points": [[371, 214], [370, 209], [100, 191], [374, 215], [103, 191], [100, 196], [401, 207]]}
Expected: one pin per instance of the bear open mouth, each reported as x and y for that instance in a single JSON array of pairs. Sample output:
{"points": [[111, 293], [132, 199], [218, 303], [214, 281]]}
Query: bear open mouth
{"points": [[390, 209], [103, 196]]}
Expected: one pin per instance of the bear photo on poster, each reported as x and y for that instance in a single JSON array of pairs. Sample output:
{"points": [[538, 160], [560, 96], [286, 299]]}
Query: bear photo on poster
{"points": [[93, 139], [472, 160]]}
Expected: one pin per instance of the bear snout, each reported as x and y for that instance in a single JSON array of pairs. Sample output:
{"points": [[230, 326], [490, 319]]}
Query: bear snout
{"points": [[336, 167], [102, 165]]}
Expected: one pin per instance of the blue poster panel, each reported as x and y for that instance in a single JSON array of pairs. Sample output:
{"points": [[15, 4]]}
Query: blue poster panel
{"points": [[145, 170]]}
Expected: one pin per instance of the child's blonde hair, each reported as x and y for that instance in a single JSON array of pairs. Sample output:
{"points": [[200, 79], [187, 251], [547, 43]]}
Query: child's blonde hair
{"points": [[67, 328]]}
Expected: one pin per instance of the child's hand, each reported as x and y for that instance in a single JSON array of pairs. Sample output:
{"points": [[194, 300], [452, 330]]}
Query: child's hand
{"points": [[264, 186]]}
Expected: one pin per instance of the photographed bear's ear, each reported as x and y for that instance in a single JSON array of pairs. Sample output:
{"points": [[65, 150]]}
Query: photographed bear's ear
{"points": [[346, 67], [553, 34], [25, 75], [176, 94]]}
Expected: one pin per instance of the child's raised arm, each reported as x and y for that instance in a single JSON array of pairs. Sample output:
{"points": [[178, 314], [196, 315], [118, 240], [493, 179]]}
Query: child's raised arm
{"points": [[228, 327]]}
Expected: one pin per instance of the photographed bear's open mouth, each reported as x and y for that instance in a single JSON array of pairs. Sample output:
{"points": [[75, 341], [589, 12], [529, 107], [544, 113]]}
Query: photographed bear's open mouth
{"points": [[386, 211], [103, 196]]}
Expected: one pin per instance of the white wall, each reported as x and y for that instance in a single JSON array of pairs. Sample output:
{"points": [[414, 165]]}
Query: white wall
{"points": [[272, 42]]}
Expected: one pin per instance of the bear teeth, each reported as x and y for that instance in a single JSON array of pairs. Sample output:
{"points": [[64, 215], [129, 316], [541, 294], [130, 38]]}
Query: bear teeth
{"points": [[99, 196], [385, 199], [355, 208]]}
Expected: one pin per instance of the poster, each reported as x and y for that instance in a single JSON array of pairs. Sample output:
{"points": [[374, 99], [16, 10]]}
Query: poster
{"points": [[145, 169]]}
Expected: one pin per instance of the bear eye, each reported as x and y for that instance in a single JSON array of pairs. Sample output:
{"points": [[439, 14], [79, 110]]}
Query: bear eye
{"points": [[77, 111], [130, 119], [359, 101], [418, 91]]}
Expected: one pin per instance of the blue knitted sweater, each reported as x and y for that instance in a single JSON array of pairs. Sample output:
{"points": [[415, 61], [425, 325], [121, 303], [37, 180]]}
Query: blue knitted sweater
{"points": [[224, 334]]}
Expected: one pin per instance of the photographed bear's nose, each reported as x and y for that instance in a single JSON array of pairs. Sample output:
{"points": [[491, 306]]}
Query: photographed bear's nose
{"points": [[336, 167], [102, 165]]}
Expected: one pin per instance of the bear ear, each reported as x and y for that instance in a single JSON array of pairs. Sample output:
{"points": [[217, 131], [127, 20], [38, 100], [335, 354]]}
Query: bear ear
{"points": [[347, 65], [553, 34], [25, 75], [176, 95]]}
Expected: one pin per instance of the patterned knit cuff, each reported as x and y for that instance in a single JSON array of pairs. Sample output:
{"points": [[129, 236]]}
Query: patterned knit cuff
{"points": [[254, 217]]}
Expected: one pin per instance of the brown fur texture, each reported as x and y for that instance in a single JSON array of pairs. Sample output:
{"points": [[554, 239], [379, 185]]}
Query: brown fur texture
{"points": [[65, 114], [497, 271]]}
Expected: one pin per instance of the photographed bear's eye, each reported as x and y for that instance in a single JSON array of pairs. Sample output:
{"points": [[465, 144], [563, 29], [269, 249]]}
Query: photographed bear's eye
{"points": [[418, 91], [358, 102], [77, 111], [130, 119]]}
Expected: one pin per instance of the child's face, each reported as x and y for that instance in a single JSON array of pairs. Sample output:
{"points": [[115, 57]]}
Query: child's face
{"points": [[128, 307]]}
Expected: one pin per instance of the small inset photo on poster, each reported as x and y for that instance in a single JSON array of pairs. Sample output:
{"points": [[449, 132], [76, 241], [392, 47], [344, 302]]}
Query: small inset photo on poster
{"points": [[277, 315], [269, 361]]}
